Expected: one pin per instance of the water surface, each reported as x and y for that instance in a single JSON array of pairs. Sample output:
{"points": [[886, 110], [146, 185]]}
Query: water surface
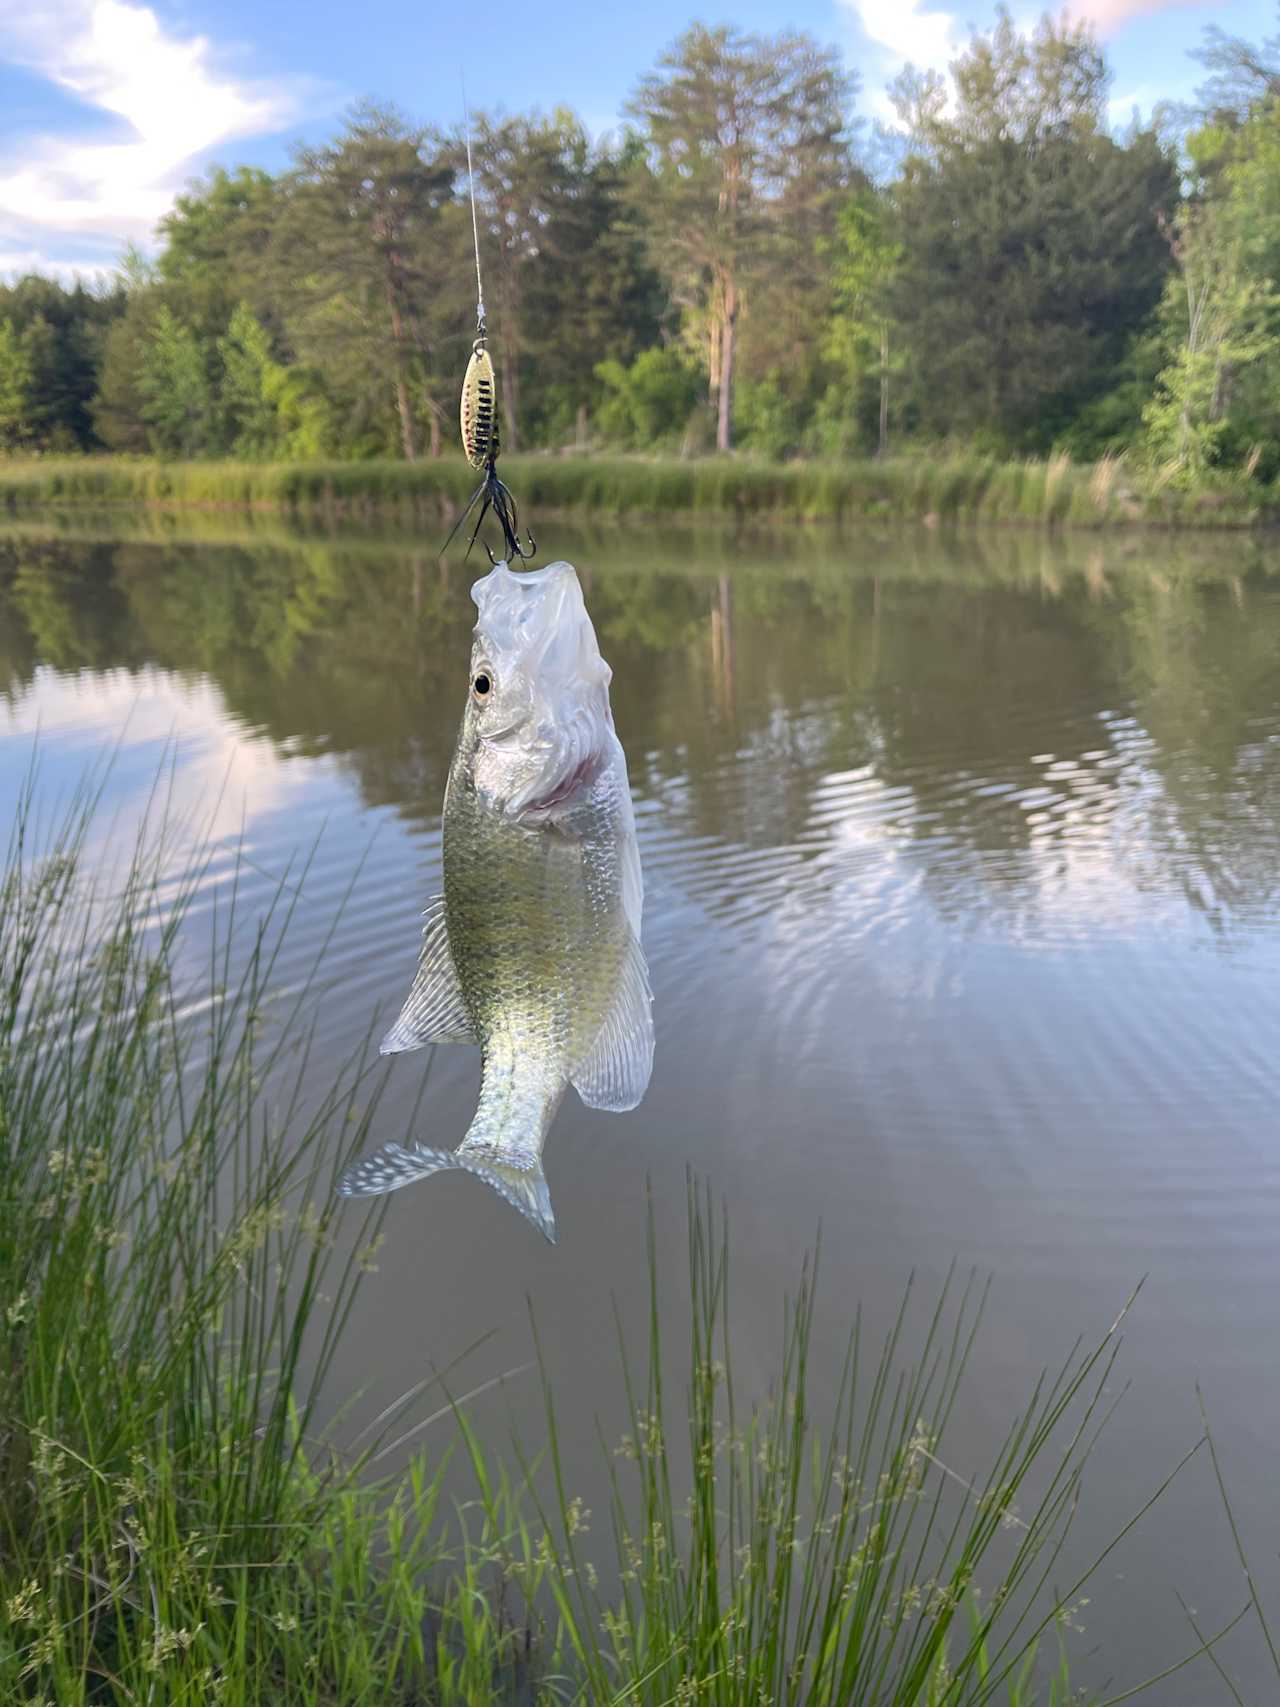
{"points": [[962, 856]]}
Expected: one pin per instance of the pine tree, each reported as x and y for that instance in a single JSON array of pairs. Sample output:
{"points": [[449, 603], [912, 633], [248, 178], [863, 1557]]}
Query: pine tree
{"points": [[746, 140], [1032, 244]]}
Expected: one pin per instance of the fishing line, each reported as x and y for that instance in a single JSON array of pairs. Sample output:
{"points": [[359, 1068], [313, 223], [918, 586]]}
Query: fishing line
{"points": [[475, 228], [478, 414]]}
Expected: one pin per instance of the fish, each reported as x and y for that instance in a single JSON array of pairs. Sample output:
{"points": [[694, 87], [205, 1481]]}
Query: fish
{"points": [[533, 950]]}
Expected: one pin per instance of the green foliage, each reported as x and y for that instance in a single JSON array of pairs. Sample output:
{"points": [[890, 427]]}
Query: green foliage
{"points": [[271, 410], [766, 419], [1215, 401], [15, 388], [650, 402], [1112, 421], [1027, 279], [118, 419], [248, 372], [566, 277], [60, 331], [1031, 242], [595, 259], [371, 242], [865, 253], [217, 243], [178, 395]]}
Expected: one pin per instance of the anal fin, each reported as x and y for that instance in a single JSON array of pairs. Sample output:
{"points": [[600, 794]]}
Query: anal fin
{"points": [[434, 1010]]}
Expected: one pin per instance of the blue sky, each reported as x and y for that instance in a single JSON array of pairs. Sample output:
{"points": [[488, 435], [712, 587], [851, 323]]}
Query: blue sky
{"points": [[107, 107]]}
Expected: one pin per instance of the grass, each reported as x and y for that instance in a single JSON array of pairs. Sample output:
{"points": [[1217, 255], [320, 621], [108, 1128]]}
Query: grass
{"points": [[1265, 1622], [169, 1532], [947, 486], [178, 1525], [774, 1555]]}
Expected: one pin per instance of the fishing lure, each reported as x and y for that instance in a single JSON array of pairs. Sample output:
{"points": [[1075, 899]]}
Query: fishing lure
{"points": [[480, 444], [478, 413]]}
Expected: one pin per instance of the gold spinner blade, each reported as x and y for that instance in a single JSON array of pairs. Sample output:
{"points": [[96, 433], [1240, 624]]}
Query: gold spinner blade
{"points": [[479, 410]]}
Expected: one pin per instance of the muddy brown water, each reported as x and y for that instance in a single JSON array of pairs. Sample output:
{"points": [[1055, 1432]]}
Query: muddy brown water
{"points": [[962, 859]]}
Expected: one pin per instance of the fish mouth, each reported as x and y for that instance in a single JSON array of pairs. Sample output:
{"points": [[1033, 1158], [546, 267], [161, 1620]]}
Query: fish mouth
{"points": [[526, 577], [495, 737]]}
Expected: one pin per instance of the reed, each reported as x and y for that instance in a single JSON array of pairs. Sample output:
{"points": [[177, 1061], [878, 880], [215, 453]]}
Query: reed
{"points": [[175, 1524], [948, 486], [773, 1553]]}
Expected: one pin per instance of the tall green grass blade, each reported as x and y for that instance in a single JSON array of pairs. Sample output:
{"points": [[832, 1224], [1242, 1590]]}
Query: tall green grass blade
{"points": [[1241, 1555]]}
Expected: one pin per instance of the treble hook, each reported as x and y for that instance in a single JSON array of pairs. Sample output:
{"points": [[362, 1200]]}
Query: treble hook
{"points": [[493, 494], [514, 549]]}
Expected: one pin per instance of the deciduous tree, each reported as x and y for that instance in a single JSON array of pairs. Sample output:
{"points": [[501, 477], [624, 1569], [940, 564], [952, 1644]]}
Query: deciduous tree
{"points": [[864, 259], [360, 247], [15, 388], [179, 402]]}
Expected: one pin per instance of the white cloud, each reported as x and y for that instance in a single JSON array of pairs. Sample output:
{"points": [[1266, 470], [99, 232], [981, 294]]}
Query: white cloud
{"points": [[909, 32], [172, 102]]}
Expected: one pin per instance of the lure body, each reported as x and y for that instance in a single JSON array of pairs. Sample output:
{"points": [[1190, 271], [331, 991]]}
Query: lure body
{"points": [[478, 410], [478, 417]]}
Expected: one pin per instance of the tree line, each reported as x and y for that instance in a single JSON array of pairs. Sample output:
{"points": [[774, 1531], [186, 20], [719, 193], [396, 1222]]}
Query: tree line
{"points": [[724, 273]]}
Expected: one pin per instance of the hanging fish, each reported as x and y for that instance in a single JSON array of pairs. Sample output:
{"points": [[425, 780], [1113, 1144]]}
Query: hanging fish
{"points": [[533, 950]]}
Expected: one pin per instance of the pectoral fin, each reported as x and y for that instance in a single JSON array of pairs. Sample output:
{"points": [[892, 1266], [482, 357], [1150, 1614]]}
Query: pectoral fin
{"points": [[434, 1011], [614, 1073]]}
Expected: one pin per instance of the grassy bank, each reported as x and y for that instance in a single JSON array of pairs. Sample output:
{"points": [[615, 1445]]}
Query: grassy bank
{"points": [[1053, 492], [177, 1524]]}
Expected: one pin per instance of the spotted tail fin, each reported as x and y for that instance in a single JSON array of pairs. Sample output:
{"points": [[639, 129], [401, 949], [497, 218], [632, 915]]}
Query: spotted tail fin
{"points": [[525, 1188]]}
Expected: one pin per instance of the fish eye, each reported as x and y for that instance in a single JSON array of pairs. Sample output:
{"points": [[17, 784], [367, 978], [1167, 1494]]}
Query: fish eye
{"points": [[481, 684]]}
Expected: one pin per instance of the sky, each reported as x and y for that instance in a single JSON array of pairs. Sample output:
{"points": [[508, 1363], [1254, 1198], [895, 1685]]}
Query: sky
{"points": [[109, 107]]}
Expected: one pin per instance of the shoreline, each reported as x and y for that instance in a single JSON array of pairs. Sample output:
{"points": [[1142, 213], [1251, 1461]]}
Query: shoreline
{"points": [[930, 492]]}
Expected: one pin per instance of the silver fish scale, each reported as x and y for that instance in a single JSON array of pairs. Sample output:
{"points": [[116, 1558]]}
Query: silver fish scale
{"points": [[538, 935]]}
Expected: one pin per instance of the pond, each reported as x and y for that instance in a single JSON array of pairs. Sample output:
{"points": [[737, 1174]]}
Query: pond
{"points": [[962, 857]]}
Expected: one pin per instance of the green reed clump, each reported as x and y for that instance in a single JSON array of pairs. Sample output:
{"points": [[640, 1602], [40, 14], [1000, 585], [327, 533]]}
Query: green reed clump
{"points": [[175, 1523], [769, 1553], [944, 485]]}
